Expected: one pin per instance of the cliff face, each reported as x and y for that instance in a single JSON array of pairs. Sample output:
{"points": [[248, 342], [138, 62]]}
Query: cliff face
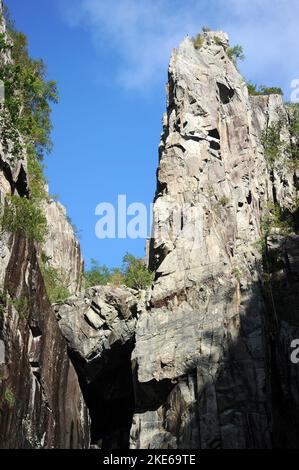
{"points": [[211, 361], [212, 357], [41, 403], [61, 246], [99, 326], [201, 360]]}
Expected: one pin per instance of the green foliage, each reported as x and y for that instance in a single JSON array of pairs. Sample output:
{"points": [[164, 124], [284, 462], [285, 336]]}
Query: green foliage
{"points": [[4, 46], [37, 181], [262, 90], [218, 41], [9, 398], [22, 214], [236, 273], [133, 273], [55, 281], [20, 304], [98, 275], [136, 274], [74, 227], [271, 140], [198, 41], [274, 220], [117, 277], [26, 112], [28, 95], [235, 53], [224, 201], [26, 214]]}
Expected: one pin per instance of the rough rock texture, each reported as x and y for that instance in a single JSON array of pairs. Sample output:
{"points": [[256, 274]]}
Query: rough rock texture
{"points": [[96, 322], [41, 403], [62, 247], [99, 327], [212, 366]]}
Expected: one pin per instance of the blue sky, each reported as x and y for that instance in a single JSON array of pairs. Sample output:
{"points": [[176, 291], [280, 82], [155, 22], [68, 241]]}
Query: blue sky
{"points": [[110, 59]]}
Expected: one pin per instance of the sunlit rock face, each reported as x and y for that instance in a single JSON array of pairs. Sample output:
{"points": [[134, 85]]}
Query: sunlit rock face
{"points": [[61, 246], [209, 352]]}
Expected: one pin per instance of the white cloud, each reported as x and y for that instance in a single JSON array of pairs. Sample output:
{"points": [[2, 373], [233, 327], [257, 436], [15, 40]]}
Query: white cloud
{"points": [[142, 33]]}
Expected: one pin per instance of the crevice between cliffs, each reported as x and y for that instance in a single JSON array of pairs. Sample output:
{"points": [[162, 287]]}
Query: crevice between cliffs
{"points": [[109, 396]]}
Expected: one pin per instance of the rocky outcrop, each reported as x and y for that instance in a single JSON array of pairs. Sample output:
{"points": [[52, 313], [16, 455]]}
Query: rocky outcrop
{"points": [[202, 360], [99, 326], [62, 247], [41, 401], [207, 373]]}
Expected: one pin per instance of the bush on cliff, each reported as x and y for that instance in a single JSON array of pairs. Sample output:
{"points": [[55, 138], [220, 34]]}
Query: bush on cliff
{"points": [[271, 140], [98, 275], [198, 41], [235, 53], [134, 274], [55, 281], [22, 214], [28, 94], [262, 90]]}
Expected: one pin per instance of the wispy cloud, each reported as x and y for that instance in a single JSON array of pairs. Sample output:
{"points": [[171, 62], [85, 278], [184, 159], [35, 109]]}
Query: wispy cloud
{"points": [[140, 34]]}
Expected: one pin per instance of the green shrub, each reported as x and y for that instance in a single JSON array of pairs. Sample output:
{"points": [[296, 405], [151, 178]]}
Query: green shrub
{"points": [[275, 219], [22, 214], [136, 274], [198, 41], [261, 90], [224, 201], [133, 273], [117, 277], [98, 275], [20, 304], [9, 398], [218, 41], [4, 46], [235, 53], [270, 90], [253, 89], [236, 273], [37, 181], [271, 140], [55, 281], [28, 95]]}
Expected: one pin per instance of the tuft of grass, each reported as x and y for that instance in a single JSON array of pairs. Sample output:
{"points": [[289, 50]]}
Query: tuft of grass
{"points": [[198, 41]]}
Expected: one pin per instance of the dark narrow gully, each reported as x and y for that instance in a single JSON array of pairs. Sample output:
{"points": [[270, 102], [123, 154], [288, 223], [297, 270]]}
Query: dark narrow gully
{"points": [[110, 400]]}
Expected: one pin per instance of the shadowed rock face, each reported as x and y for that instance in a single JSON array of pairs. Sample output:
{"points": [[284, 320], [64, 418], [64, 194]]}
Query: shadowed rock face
{"points": [[209, 351], [41, 401], [99, 327]]}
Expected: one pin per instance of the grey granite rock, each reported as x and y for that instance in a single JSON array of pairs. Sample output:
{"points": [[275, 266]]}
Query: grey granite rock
{"points": [[202, 358]]}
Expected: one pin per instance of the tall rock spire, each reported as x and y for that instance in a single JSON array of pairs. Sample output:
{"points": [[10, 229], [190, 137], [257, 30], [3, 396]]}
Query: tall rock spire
{"points": [[203, 378]]}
